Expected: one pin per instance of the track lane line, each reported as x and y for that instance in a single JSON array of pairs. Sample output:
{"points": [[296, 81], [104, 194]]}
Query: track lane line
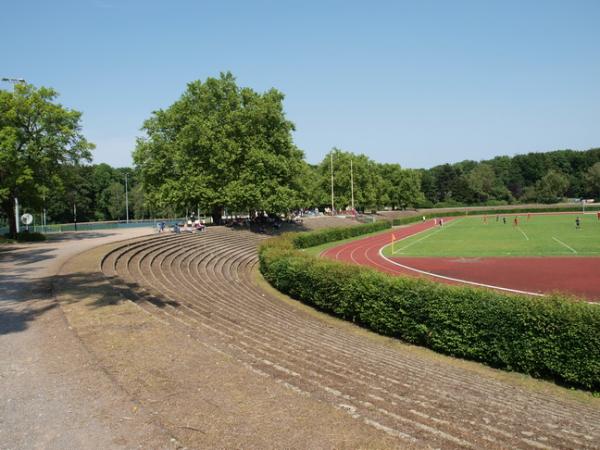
{"points": [[458, 280]]}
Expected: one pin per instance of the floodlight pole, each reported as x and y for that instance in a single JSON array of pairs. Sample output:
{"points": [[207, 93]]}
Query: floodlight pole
{"points": [[352, 185], [15, 81], [126, 200], [331, 167]]}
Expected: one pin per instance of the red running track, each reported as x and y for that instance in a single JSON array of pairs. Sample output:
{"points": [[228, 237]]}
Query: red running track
{"points": [[578, 276]]}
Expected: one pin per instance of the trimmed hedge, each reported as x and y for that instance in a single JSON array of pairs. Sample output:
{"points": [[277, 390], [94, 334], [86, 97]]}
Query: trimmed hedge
{"points": [[552, 337], [314, 238], [457, 213]]}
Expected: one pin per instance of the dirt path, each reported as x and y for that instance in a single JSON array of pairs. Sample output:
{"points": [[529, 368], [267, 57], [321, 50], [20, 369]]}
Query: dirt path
{"points": [[219, 362], [53, 394]]}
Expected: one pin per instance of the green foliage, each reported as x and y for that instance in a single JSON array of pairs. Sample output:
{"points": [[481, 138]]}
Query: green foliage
{"points": [[38, 140], [367, 181], [522, 177], [551, 187], [401, 187], [313, 238], [98, 192], [221, 146], [553, 337], [592, 178], [375, 185]]}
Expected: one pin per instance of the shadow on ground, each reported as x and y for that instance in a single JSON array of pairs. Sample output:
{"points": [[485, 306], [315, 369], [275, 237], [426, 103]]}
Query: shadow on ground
{"points": [[104, 290], [78, 235], [24, 300], [25, 256]]}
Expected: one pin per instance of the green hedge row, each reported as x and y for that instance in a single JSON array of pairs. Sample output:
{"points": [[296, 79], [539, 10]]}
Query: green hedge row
{"points": [[551, 337], [314, 238], [411, 219]]}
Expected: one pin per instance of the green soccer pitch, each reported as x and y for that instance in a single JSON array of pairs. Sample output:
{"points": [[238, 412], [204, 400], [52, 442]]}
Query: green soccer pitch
{"points": [[552, 235]]}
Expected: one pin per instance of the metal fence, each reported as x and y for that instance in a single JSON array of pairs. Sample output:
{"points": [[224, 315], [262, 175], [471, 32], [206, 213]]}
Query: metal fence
{"points": [[108, 225]]}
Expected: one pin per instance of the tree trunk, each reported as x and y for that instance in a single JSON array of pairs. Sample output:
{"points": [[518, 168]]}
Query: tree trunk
{"points": [[8, 207], [217, 215]]}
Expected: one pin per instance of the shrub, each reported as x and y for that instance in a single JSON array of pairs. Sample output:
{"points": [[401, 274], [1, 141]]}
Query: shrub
{"points": [[553, 337], [314, 238]]}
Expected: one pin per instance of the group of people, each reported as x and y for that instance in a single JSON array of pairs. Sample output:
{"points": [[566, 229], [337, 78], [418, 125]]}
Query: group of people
{"points": [[189, 226]]}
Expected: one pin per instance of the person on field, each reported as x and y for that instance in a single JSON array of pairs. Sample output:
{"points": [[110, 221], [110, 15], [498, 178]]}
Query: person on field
{"points": [[528, 216], [577, 223], [485, 220], [598, 214], [504, 220], [441, 222], [516, 221]]}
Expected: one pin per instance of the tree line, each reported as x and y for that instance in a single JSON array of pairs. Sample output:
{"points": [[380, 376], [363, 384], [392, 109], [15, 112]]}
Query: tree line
{"points": [[534, 177], [221, 148]]}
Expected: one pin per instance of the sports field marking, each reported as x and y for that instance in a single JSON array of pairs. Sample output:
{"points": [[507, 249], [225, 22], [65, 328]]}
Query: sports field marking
{"points": [[442, 228], [443, 277], [523, 233], [562, 243]]}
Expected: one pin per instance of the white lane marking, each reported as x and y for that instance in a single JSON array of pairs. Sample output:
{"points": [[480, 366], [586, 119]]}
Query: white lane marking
{"points": [[523, 233], [435, 275], [418, 240], [424, 237], [562, 243]]}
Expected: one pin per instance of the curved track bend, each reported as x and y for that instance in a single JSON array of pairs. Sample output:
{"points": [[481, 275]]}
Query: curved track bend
{"points": [[204, 285]]}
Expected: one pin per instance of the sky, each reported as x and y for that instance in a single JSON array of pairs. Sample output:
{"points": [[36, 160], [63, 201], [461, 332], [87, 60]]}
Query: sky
{"points": [[418, 83]]}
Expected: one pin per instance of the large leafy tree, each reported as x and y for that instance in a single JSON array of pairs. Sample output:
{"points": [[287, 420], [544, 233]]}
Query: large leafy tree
{"points": [[592, 178], [221, 146], [551, 187], [402, 186], [38, 139]]}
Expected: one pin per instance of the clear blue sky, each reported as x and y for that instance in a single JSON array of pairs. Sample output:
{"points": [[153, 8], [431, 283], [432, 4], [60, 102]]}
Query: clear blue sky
{"points": [[420, 83]]}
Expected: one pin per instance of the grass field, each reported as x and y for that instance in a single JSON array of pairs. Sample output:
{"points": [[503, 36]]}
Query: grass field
{"points": [[554, 235]]}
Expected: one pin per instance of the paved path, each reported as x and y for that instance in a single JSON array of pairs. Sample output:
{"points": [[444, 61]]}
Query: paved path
{"points": [[49, 383]]}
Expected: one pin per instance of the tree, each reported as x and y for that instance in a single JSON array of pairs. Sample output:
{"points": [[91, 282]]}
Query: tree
{"points": [[485, 186], [402, 186], [368, 184], [114, 199], [221, 146], [38, 138], [592, 178], [551, 187]]}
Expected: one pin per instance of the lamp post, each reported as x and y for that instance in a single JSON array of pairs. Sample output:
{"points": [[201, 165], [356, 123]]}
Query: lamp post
{"points": [[15, 81]]}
